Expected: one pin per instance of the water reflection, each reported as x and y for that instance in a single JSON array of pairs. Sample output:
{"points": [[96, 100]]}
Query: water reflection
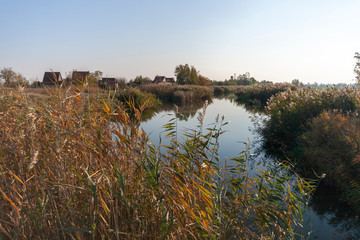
{"points": [[327, 205], [186, 111], [330, 218], [251, 107]]}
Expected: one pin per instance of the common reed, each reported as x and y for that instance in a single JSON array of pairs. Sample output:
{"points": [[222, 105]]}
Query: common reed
{"points": [[261, 93], [179, 94], [319, 130], [74, 166]]}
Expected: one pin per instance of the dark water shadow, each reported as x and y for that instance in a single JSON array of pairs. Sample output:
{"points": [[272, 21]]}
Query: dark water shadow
{"points": [[185, 111], [343, 220]]}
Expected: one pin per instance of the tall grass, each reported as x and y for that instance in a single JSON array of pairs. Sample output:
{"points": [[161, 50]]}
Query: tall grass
{"points": [[261, 93], [225, 90], [178, 94], [291, 111], [319, 130], [76, 167], [332, 146], [134, 97]]}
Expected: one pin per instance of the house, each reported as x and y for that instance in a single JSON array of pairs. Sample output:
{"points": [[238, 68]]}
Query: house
{"points": [[79, 77], [170, 80], [108, 83], [163, 79], [52, 78]]}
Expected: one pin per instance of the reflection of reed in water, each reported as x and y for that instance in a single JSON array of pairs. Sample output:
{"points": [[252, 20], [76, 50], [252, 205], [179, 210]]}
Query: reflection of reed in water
{"points": [[185, 111], [250, 106], [325, 202]]}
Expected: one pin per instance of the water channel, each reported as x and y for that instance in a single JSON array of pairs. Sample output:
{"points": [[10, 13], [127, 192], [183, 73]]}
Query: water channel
{"points": [[329, 218]]}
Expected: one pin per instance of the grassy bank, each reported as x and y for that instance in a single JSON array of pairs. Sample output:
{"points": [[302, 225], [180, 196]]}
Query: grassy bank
{"points": [[74, 166], [319, 129]]}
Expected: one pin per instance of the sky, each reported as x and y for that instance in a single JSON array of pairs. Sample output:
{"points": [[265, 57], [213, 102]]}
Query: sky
{"points": [[274, 40]]}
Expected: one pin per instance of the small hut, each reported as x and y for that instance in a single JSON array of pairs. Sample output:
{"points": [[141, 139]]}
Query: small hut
{"points": [[163, 79], [79, 77], [110, 83], [52, 79]]}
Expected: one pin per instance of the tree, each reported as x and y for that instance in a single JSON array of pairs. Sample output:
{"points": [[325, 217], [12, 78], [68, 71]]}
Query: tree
{"points": [[189, 75], [194, 79], [245, 79], [11, 78], [182, 73], [204, 81], [140, 80], [98, 74], [121, 82], [94, 77], [8, 75], [295, 82], [357, 67], [20, 79]]}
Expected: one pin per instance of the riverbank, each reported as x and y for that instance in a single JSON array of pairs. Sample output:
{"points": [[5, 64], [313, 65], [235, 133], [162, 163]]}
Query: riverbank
{"points": [[70, 172], [319, 131]]}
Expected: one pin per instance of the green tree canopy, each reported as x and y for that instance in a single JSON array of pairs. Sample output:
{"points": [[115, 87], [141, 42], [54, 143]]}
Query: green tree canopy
{"points": [[182, 73], [189, 75]]}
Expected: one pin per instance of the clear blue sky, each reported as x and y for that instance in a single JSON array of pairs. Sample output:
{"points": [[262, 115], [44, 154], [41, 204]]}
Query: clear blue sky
{"points": [[313, 41]]}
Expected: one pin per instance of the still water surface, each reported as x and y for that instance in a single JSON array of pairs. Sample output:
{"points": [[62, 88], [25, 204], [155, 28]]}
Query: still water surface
{"points": [[329, 219]]}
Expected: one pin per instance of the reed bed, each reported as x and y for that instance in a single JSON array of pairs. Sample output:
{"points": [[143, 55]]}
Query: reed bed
{"points": [[319, 130], [74, 166], [226, 90], [261, 93], [179, 94], [291, 111], [130, 97]]}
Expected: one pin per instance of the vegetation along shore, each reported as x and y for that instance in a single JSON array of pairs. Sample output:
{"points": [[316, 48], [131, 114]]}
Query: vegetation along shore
{"points": [[76, 163]]}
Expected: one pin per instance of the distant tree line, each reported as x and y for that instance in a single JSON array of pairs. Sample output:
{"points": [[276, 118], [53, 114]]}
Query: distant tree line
{"points": [[185, 75], [241, 79]]}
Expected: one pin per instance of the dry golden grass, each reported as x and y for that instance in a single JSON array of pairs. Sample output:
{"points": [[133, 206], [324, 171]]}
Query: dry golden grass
{"points": [[73, 166]]}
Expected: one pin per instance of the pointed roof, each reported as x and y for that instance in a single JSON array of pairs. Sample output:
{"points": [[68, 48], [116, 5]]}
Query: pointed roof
{"points": [[52, 78]]}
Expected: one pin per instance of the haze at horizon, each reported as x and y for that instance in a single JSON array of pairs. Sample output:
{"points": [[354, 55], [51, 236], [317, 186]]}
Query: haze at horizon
{"points": [[275, 41]]}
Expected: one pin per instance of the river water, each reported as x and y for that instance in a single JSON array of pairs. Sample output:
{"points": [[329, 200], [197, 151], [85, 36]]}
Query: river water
{"points": [[329, 218]]}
